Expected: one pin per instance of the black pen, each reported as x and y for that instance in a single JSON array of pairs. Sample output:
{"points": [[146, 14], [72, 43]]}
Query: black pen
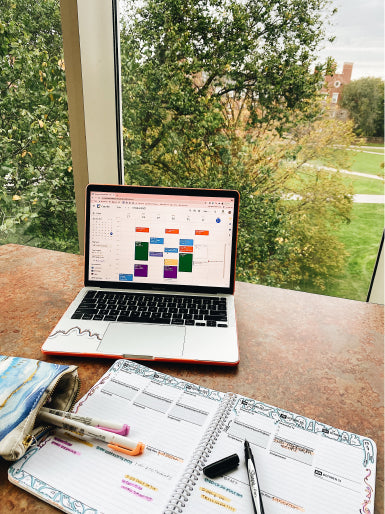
{"points": [[253, 480]]}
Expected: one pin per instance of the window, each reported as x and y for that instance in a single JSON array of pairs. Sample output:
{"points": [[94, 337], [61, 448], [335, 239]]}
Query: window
{"points": [[42, 160], [335, 98], [261, 208], [37, 204]]}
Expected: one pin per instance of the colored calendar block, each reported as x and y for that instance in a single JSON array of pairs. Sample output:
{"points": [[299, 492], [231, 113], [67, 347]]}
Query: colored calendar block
{"points": [[126, 277], [141, 251], [141, 270], [171, 262], [170, 272], [185, 262], [186, 249]]}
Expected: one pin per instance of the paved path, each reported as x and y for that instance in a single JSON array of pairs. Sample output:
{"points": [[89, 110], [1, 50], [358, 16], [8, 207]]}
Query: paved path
{"points": [[367, 148], [356, 198], [368, 198], [365, 175], [364, 150]]}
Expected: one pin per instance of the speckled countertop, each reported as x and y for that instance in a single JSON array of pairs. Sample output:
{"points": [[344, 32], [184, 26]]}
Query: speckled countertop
{"points": [[319, 356]]}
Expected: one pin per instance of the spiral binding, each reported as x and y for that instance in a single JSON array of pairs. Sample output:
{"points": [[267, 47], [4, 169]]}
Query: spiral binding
{"points": [[190, 477]]}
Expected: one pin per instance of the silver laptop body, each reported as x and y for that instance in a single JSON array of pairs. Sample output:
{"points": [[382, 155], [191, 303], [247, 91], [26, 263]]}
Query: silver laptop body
{"points": [[159, 277]]}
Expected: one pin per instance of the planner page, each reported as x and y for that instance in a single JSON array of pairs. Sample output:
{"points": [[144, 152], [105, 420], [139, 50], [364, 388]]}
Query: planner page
{"points": [[302, 466], [84, 475]]}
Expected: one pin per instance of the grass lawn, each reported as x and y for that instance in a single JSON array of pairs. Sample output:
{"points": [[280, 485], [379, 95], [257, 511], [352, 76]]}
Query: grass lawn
{"points": [[362, 239], [361, 185], [364, 186], [367, 163], [363, 162], [362, 236]]}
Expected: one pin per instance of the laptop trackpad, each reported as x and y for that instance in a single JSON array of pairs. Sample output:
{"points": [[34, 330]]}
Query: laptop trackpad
{"points": [[135, 339]]}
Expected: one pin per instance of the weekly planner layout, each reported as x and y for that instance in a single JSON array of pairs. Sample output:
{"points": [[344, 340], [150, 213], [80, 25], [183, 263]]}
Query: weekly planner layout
{"points": [[302, 465]]}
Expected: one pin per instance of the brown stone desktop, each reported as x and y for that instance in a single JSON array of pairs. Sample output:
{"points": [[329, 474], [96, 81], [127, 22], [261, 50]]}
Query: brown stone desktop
{"points": [[319, 356]]}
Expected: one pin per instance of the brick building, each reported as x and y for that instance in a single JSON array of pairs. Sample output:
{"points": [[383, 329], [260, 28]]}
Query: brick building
{"points": [[333, 87]]}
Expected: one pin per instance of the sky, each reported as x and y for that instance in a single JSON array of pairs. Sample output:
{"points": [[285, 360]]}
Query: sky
{"points": [[359, 30]]}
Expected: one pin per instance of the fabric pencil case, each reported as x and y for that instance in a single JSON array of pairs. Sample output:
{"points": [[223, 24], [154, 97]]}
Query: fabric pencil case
{"points": [[25, 386]]}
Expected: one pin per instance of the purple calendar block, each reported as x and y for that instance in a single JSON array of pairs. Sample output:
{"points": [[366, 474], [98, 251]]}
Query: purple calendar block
{"points": [[140, 270], [170, 272]]}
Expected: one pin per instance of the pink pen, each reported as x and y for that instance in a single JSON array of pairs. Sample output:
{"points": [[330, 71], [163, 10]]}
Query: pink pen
{"points": [[121, 431]]}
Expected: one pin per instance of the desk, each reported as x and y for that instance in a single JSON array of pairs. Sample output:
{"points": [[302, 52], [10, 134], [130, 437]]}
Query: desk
{"points": [[315, 355]]}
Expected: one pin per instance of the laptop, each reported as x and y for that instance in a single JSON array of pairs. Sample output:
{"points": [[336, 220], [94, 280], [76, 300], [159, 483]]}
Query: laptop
{"points": [[158, 277]]}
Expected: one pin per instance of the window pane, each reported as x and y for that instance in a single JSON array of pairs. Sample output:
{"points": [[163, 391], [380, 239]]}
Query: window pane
{"points": [[335, 98], [37, 204], [227, 94]]}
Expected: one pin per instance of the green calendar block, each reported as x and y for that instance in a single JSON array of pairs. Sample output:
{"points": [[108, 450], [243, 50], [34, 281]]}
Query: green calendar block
{"points": [[141, 251], [185, 262]]}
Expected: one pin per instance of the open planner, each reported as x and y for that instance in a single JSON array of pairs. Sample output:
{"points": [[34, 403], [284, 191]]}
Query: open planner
{"points": [[302, 465]]}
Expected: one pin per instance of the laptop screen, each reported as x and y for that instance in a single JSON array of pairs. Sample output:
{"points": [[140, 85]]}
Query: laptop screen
{"points": [[161, 238]]}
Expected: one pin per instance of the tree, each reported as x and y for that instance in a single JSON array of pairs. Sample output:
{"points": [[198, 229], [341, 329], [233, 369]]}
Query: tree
{"points": [[36, 199], [181, 58], [364, 99], [212, 94]]}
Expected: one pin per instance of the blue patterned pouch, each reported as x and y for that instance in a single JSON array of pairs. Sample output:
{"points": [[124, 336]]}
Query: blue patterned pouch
{"points": [[25, 386]]}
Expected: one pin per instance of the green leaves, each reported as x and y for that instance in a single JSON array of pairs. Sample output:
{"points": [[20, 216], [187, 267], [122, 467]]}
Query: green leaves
{"points": [[212, 94], [364, 99], [34, 141], [181, 59]]}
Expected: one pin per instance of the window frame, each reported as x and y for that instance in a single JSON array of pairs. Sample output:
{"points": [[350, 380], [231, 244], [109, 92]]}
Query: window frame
{"points": [[90, 30], [376, 288]]}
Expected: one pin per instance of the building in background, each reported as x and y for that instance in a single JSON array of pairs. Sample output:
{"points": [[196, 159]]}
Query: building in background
{"points": [[332, 90]]}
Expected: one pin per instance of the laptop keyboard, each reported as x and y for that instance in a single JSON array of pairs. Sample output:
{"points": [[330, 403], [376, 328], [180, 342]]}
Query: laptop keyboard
{"points": [[153, 308]]}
